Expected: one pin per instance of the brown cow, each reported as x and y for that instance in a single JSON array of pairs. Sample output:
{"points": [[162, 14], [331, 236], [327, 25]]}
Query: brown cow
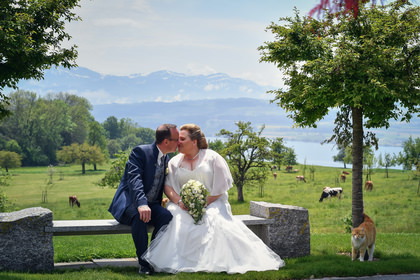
{"points": [[300, 178], [343, 178], [368, 185], [275, 175], [73, 200], [346, 173]]}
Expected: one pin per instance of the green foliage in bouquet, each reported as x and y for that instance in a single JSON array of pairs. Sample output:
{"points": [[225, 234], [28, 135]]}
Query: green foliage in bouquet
{"points": [[193, 195]]}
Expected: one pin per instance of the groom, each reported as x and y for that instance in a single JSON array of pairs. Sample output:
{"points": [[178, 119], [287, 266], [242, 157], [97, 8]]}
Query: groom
{"points": [[137, 201]]}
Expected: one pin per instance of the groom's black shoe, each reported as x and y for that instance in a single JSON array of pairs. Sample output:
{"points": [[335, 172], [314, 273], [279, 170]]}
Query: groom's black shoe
{"points": [[146, 270]]}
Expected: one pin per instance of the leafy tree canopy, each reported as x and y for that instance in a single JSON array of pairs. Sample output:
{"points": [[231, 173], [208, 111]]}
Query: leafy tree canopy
{"points": [[370, 62], [31, 33], [10, 160], [246, 152], [410, 156], [365, 67], [82, 154]]}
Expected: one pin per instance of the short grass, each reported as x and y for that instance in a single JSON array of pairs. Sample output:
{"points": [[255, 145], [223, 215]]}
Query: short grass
{"points": [[393, 205]]}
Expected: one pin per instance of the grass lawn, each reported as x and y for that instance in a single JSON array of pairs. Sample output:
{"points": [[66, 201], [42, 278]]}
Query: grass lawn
{"points": [[393, 205]]}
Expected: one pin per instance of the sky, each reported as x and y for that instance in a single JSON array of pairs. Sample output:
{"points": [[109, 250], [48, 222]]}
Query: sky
{"points": [[193, 37]]}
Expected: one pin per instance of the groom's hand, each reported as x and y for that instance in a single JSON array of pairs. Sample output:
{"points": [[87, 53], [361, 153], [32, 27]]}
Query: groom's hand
{"points": [[145, 213]]}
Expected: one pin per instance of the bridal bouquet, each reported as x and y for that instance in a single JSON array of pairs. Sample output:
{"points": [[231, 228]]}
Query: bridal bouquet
{"points": [[193, 195]]}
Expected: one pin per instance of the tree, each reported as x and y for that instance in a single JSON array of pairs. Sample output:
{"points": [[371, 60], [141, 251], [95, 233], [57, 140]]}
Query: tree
{"points": [[78, 109], [410, 156], [96, 136], [13, 146], [368, 161], [113, 176], [278, 151], [112, 127], [10, 160], [216, 145], [130, 141], [96, 156], [37, 125], [82, 154], [340, 156], [51, 120], [289, 156], [387, 161], [41, 125], [147, 135], [114, 147], [365, 67], [31, 33], [246, 152]]}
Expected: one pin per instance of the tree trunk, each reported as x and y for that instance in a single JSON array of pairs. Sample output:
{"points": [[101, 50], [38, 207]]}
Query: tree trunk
{"points": [[357, 153], [240, 194], [83, 168]]}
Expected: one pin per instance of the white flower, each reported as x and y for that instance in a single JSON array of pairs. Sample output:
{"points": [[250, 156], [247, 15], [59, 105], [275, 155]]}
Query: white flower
{"points": [[193, 195]]}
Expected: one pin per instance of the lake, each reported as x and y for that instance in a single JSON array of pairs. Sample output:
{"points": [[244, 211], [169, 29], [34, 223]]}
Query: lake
{"points": [[317, 154]]}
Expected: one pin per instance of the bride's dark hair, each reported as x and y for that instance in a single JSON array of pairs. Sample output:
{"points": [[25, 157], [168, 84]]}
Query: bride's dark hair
{"points": [[195, 133]]}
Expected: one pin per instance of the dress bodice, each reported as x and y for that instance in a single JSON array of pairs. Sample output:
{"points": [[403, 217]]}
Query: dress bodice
{"points": [[211, 170]]}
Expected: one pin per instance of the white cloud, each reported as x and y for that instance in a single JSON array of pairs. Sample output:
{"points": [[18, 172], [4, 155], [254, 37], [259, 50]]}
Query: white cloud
{"points": [[192, 37]]}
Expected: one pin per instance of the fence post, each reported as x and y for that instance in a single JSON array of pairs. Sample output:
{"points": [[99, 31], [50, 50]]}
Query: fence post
{"points": [[289, 236], [24, 244]]}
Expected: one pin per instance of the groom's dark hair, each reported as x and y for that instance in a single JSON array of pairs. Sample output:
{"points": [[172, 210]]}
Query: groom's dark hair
{"points": [[164, 132]]}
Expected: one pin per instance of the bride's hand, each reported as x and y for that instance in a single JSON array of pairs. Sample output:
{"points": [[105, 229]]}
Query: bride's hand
{"points": [[182, 205]]}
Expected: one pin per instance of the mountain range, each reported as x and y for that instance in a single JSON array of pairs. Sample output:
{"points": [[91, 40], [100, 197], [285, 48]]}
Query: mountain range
{"points": [[160, 86], [214, 102]]}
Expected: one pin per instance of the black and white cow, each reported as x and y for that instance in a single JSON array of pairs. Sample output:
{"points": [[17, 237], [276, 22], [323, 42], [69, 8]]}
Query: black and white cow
{"points": [[331, 192]]}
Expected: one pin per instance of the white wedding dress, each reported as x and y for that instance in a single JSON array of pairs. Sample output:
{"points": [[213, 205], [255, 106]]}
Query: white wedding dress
{"points": [[221, 242]]}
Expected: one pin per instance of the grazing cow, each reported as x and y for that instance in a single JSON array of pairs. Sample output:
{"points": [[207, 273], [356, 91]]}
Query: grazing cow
{"points": [[273, 167], [289, 168], [331, 192], [300, 178], [275, 175], [346, 173], [73, 200], [368, 185], [343, 178]]}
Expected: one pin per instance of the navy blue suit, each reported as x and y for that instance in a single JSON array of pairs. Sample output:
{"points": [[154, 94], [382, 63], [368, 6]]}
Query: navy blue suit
{"points": [[136, 182]]}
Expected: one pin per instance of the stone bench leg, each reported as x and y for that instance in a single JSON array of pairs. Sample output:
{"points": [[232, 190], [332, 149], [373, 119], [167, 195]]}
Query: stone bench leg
{"points": [[289, 236], [24, 245]]}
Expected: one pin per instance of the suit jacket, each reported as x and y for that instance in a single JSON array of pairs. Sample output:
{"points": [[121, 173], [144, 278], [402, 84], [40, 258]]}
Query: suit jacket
{"points": [[137, 181]]}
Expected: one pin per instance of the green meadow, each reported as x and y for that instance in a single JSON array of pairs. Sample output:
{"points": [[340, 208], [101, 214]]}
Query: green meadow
{"points": [[393, 205]]}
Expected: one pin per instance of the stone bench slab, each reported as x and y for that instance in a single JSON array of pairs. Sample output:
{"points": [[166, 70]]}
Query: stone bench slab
{"points": [[94, 227]]}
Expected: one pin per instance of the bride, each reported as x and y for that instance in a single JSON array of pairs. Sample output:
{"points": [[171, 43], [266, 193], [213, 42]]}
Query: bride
{"points": [[220, 242]]}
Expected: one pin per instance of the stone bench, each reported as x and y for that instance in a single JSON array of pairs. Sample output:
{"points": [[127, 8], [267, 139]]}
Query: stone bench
{"points": [[96, 227], [26, 236]]}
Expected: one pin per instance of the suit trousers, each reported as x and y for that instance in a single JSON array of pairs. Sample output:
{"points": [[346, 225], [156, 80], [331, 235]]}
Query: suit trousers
{"points": [[160, 217]]}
